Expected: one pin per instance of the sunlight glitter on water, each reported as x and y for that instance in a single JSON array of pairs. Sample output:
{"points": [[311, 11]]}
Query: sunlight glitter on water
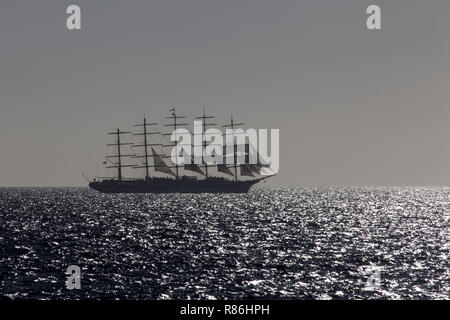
{"points": [[269, 243]]}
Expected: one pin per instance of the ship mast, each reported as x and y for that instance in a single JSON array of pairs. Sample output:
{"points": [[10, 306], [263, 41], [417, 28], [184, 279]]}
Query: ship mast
{"points": [[119, 154], [232, 125], [174, 125], [204, 124], [145, 124]]}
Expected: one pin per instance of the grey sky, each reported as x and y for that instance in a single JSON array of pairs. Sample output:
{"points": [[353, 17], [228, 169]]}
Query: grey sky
{"points": [[354, 107]]}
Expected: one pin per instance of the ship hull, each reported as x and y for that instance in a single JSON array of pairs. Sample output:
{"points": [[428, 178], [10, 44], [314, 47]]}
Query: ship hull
{"points": [[172, 186]]}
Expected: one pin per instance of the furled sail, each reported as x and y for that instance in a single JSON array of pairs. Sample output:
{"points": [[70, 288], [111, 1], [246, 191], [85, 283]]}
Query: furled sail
{"points": [[160, 165], [245, 171], [237, 151], [262, 166], [254, 168], [227, 157], [194, 168], [251, 169], [224, 169]]}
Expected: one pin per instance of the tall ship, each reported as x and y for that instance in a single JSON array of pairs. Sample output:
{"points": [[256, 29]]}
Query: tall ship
{"points": [[150, 156]]}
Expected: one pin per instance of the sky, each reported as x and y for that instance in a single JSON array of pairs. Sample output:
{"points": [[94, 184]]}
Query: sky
{"points": [[355, 107]]}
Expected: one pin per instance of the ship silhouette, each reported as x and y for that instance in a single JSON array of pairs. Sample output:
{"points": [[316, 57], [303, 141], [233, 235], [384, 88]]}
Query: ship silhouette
{"points": [[161, 177]]}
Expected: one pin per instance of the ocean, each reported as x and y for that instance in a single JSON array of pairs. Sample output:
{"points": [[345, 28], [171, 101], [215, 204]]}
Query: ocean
{"points": [[276, 243]]}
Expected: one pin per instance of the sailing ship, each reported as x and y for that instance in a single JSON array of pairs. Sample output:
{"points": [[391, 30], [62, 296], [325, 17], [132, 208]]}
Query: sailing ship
{"points": [[161, 177]]}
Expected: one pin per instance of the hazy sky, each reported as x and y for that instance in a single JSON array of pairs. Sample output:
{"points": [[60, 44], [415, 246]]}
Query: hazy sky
{"points": [[354, 106]]}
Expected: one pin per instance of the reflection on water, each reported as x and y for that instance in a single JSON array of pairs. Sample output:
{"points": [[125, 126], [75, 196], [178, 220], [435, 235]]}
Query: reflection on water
{"points": [[269, 243]]}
